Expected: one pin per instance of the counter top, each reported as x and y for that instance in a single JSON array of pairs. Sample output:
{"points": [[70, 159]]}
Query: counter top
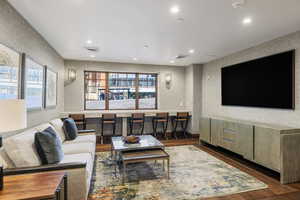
{"points": [[282, 128], [120, 113]]}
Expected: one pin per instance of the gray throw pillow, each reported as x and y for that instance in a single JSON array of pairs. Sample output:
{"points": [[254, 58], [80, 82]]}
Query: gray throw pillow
{"points": [[70, 129], [48, 146]]}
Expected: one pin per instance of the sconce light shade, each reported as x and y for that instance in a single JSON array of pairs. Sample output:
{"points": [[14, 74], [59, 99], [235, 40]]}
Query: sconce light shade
{"points": [[71, 75], [13, 115], [168, 79]]}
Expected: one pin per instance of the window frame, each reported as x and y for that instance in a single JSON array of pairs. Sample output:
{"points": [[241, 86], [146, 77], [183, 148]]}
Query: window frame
{"points": [[107, 89]]}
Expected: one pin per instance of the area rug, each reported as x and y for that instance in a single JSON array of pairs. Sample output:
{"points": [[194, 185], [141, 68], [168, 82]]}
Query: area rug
{"points": [[194, 174]]}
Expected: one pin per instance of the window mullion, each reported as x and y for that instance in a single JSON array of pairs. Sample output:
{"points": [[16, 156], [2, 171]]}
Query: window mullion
{"points": [[137, 91], [106, 91]]}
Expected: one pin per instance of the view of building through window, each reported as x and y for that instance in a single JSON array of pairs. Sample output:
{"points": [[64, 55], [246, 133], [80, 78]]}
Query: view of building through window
{"points": [[34, 83], [106, 90], [9, 73]]}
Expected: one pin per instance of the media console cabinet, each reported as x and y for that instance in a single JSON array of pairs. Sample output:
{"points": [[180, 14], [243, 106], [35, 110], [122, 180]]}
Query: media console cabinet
{"points": [[272, 146]]}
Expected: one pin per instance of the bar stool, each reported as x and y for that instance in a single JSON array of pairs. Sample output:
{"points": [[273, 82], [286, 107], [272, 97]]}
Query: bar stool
{"points": [[136, 119], [79, 120], [181, 118], [163, 119], [108, 119]]}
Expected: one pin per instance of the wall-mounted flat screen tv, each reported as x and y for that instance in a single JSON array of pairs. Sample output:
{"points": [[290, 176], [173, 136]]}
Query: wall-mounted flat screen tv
{"points": [[265, 82]]}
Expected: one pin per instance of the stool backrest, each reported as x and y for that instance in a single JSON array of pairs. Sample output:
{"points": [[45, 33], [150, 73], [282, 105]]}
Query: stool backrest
{"points": [[182, 115], [162, 115], [77, 117], [109, 116], [138, 115]]}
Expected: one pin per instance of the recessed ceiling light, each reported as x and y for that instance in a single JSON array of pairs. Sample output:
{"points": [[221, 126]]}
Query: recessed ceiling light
{"points": [[174, 9], [172, 61], [135, 59], [92, 56], [247, 20], [180, 19], [89, 42], [191, 51]]}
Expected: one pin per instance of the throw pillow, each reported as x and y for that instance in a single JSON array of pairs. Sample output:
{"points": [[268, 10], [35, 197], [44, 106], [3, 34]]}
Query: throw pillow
{"points": [[70, 129], [48, 146]]}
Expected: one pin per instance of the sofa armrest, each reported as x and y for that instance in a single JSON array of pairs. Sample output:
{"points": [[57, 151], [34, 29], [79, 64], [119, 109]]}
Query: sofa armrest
{"points": [[44, 168], [87, 132]]}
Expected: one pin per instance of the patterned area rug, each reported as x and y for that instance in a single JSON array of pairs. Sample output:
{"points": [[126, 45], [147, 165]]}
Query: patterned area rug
{"points": [[194, 174]]}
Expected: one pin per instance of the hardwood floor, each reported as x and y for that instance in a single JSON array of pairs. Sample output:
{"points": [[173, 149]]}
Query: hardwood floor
{"points": [[275, 191]]}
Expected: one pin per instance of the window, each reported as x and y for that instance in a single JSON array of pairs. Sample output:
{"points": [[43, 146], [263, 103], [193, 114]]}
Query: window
{"points": [[9, 73], [34, 84], [123, 91]]}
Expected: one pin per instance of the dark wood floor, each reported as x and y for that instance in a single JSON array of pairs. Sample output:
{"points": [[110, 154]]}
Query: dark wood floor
{"points": [[275, 190]]}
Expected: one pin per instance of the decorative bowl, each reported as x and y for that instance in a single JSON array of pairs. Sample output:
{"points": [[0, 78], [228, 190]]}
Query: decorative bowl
{"points": [[131, 139]]}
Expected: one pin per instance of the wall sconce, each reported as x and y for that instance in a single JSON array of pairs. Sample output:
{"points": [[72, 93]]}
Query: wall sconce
{"points": [[71, 75], [168, 79]]}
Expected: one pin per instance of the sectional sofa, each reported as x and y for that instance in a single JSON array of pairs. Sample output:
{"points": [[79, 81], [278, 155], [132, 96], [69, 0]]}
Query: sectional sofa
{"points": [[19, 156]]}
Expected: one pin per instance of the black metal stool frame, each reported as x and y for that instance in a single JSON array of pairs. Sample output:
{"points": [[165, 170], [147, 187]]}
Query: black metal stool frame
{"points": [[136, 117], [184, 121], [108, 118], [155, 124]]}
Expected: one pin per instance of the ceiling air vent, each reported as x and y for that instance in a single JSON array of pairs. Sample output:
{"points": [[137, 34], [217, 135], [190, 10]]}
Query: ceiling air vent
{"points": [[181, 56], [238, 3], [92, 49]]}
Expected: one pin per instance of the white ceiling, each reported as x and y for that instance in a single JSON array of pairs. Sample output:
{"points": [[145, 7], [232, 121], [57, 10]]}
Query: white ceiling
{"points": [[120, 28]]}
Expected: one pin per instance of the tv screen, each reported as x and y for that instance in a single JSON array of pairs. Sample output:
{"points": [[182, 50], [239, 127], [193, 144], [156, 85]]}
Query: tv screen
{"points": [[266, 82]]}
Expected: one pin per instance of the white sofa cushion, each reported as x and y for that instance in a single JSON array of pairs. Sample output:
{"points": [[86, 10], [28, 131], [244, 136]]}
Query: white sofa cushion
{"points": [[78, 148], [21, 149], [45, 126], [5, 160], [84, 158], [58, 125], [82, 139]]}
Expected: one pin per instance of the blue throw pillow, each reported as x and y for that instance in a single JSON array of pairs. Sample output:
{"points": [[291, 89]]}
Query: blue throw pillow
{"points": [[70, 129], [48, 146]]}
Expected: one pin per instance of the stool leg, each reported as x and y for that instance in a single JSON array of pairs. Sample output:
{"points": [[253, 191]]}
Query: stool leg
{"points": [[153, 127], [184, 127], [143, 125], [130, 126], [165, 129], [175, 129], [102, 136], [114, 129]]}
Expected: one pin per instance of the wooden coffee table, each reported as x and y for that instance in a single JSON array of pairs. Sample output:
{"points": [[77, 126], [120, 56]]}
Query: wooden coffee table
{"points": [[143, 156], [44, 185]]}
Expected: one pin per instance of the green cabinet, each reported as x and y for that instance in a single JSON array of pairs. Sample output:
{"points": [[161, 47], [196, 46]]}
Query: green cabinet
{"points": [[216, 129], [205, 130], [267, 147]]}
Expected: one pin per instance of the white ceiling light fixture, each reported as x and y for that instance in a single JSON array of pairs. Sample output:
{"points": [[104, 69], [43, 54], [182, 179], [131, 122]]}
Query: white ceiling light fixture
{"points": [[191, 51], [174, 9], [92, 56], [247, 21], [135, 59], [89, 41], [172, 61]]}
